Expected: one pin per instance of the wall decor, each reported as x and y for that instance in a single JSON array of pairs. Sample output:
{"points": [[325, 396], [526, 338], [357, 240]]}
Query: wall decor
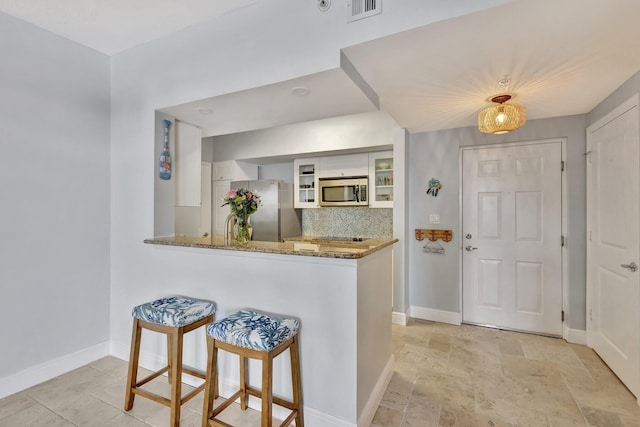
{"points": [[434, 187], [165, 155]]}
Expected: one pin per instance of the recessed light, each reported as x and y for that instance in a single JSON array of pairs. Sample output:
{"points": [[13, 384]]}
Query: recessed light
{"points": [[300, 91], [204, 110]]}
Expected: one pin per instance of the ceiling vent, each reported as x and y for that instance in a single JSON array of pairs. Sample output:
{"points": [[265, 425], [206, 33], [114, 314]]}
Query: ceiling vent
{"points": [[359, 9]]}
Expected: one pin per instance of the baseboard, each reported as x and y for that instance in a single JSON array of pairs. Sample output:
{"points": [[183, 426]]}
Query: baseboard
{"points": [[377, 394], [398, 318], [50, 369], [575, 336], [434, 315]]}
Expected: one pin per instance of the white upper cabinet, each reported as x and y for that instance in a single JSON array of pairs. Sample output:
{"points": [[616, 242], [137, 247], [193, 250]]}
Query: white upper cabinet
{"points": [[305, 183], [232, 170], [346, 165], [381, 179], [187, 164]]}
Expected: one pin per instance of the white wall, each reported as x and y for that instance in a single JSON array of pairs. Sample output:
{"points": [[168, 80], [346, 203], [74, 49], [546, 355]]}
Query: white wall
{"points": [[268, 42], [312, 139], [433, 281], [54, 220], [281, 171]]}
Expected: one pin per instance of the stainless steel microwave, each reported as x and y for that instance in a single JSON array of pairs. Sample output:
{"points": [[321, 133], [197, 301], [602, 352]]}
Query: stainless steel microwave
{"points": [[343, 191]]}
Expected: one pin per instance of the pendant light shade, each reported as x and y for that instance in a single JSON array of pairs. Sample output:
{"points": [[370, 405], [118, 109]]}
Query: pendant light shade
{"points": [[502, 118]]}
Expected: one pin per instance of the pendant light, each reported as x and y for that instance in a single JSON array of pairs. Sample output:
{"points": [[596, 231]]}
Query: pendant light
{"points": [[501, 118]]}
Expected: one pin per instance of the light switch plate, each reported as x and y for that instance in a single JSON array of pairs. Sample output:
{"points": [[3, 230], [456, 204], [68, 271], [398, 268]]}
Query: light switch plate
{"points": [[434, 218]]}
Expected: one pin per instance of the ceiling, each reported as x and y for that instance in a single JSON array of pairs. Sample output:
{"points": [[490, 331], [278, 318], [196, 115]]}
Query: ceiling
{"points": [[562, 58], [116, 25]]}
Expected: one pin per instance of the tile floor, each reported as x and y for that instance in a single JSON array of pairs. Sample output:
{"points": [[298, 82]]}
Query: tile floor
{"points": [[471, 376], [444, 376]]}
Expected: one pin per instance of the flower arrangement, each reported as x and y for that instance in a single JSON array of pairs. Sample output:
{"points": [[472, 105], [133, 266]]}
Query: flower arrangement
{"points": [[242, 201]]}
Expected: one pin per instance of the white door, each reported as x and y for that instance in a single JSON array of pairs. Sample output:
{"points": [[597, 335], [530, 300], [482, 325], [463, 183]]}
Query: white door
{"points": [[511, 237], [613, 240]]}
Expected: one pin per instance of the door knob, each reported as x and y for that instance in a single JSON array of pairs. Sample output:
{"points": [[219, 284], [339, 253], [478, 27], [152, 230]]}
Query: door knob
{"points": [[633, 266], [470, 248]]}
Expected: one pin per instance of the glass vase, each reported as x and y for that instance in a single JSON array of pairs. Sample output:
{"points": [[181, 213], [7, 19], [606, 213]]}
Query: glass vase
{"points": [[243, 230]]}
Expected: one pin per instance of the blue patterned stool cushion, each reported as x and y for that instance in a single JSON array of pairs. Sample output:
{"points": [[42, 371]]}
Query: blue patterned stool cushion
{"points": [[253, 330], [174, 311]]}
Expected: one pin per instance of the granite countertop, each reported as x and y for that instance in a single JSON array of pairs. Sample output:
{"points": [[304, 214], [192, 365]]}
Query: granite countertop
{"points": [[303, 246]]}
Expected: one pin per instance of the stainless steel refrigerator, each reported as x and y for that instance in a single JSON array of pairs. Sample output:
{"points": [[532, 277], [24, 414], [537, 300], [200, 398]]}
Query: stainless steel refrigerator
{"points": [[276, 218]]}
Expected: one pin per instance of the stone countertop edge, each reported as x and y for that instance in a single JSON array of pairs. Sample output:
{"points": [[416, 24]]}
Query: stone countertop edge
{"points": [[346, 251]]}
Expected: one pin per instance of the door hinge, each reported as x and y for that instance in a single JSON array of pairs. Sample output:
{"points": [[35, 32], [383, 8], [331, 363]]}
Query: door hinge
{"points": [[563, 241], [590, 315], [562, 166], [562, 315]]}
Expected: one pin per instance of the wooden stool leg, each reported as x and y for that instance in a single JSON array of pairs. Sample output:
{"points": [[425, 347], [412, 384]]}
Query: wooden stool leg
{"points": [[296, 381], [210, 386], [132, 376], [176, 377], [244, 396], [169, 347], [267, 389]]}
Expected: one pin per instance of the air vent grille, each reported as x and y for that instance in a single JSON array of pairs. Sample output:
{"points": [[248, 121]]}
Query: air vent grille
{"points": [[359, 9]]}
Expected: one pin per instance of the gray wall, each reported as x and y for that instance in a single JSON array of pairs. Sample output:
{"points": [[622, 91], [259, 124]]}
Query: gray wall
{"points": [[433, 279], [55, 193], [620, 95]]}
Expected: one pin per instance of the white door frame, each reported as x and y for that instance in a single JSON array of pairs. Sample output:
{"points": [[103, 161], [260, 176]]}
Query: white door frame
{"points": [[564, 222]]}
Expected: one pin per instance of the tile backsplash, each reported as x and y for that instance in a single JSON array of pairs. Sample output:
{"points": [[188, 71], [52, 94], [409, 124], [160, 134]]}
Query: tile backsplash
{"points": [[348, 222]]}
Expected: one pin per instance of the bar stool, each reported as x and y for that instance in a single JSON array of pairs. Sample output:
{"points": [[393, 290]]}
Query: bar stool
{"points": [[173, 316], [257, 336]]}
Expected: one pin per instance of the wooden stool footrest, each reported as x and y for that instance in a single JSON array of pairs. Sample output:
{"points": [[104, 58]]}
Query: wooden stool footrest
{"points": [[193, 372], [278, 401], [152, 376], [224, 405], [218, 423], [165, 400], [292, 416], [187, 397], [155, 397]]}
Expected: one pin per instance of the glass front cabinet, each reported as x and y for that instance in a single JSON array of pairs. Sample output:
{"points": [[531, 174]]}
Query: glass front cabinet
{"points": [[305, 183], [381, 179]]}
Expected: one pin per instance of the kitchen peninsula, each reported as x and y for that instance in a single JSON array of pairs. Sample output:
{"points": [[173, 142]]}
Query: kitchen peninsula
{"points": [[340, 291]]}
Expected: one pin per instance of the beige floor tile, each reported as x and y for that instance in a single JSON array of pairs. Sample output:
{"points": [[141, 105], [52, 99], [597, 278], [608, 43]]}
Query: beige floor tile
{"points": [[434, 387], [398, 392], [125, 420], [386, 417], [421, 412], [600, 418], [444, 375], [36, 415], [15, 403], [461, 417]]}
